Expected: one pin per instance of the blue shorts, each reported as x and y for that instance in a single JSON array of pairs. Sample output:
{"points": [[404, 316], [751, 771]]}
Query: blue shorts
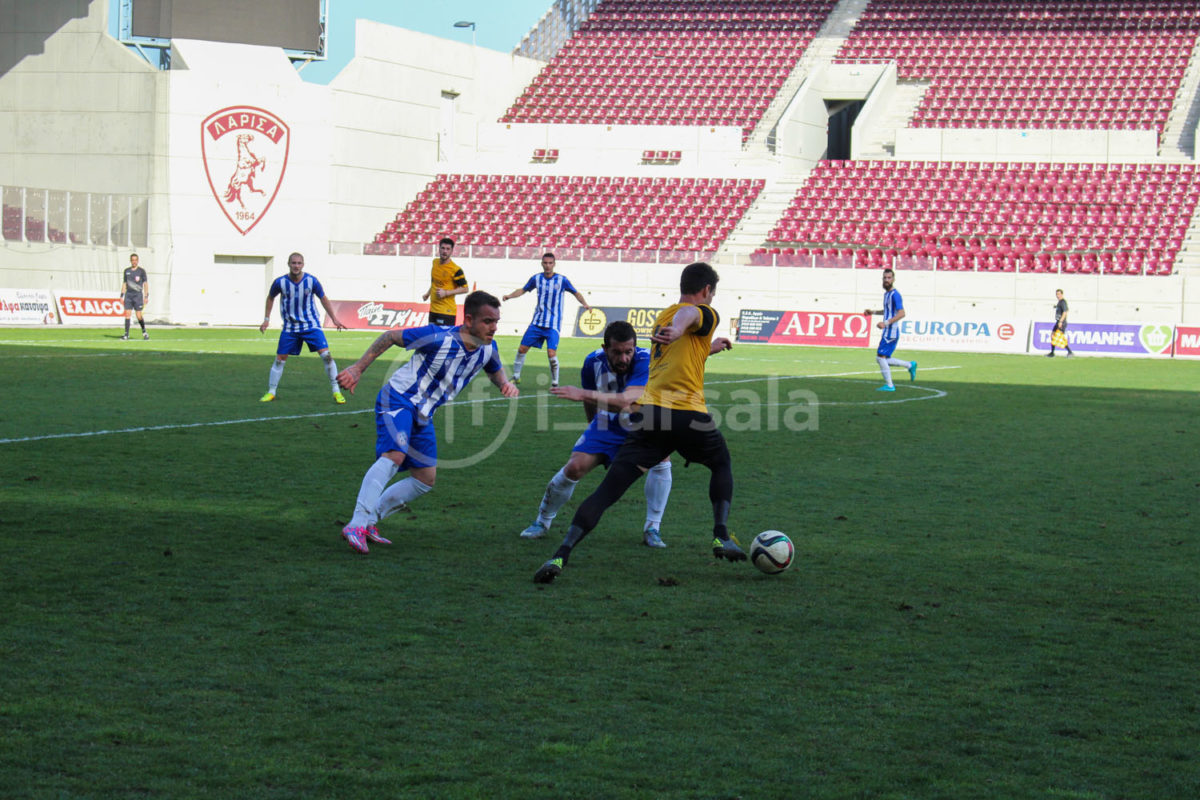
{"points": [[289, 341], [397, 427], [602, 441], [536, 334], [887, 347]]}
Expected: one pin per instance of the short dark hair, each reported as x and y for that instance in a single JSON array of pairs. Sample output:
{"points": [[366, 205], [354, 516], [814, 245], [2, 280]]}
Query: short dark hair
{"points": [[549, 255], [619, 331], [477, 300], [696, 276], [889, 269], [446, 240]]}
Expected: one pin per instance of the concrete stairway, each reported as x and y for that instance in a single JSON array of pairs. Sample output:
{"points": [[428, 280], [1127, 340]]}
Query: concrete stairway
{"points": [[760, 218], [1178, 142], [828, 40]]}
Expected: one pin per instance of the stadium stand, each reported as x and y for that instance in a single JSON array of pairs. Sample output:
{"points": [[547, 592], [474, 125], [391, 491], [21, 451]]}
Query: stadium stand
{"points": [[673, 62], [1034, 63], [591, 217], [31, 228], [988, 216]]}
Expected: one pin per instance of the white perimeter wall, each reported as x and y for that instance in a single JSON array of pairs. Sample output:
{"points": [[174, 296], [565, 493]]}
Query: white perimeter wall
{"points": [[926, 294]]}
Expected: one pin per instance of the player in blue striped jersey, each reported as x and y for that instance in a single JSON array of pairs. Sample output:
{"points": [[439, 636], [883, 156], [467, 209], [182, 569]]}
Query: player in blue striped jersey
{"points": [[444, 360], [611, 379], [547, 317], [298, 293], [893, 312]]}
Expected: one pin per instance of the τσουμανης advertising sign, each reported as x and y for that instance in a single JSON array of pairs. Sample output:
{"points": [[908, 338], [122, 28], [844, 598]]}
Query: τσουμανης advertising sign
{"points": [[1134, 339]]}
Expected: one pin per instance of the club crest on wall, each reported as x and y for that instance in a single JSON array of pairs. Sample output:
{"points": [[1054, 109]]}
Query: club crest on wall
{"points": [[245, 152]]}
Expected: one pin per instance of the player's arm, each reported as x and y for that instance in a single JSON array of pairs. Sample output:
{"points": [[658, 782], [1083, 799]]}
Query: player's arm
{"points": [[329, 310], [501, 382], [1063, 319], [460, 286], [883, 323], [267, 313], [146, 291], [684, 319], [513, 294], [348, 378], [582, 302], [719, 344], [609, 401]]}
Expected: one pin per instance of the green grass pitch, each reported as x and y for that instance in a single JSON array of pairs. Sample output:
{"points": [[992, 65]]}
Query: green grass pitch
{"points": [[995, 595]]}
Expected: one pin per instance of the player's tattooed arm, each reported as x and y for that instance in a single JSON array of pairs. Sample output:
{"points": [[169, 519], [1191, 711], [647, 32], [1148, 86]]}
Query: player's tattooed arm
{"points": [[348, 378]]}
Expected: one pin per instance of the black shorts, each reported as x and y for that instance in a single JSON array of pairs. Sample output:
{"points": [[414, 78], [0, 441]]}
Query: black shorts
{"points": [[445, 320], [133, 302], [657, 432]]}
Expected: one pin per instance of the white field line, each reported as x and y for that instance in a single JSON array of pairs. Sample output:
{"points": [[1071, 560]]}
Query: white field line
{"points": [[934, 394]]}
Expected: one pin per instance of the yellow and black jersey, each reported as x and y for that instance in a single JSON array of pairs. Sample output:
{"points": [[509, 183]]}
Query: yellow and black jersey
{"points": [[448, 276], [677, 369]]}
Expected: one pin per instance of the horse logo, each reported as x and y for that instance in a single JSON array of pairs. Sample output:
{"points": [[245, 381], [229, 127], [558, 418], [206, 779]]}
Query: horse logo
{"points": [[254, 157], [247, 168]]}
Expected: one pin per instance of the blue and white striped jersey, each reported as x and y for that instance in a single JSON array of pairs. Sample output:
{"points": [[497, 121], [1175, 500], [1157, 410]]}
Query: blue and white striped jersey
{"points": [[892, 302], [298, 304], [597, 374], [549, 298], [440, 367]]}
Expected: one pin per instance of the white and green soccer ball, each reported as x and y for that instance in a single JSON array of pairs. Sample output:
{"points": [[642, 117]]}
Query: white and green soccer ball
{"points": [[772, 552]]}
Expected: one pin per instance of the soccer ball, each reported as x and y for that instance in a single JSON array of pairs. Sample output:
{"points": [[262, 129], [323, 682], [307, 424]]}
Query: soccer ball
{"points": [[771, 552]]}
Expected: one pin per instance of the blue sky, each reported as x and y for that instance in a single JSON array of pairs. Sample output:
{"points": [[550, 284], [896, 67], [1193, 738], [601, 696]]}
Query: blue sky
{"points": [[499, 25]]}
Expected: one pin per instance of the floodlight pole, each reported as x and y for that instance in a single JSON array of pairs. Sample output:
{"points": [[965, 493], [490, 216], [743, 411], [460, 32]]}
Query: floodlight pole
{"points": [[462, 23]]}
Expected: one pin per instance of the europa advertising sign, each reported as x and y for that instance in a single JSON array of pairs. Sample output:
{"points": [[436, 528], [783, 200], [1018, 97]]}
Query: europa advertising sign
{"points": [[382, 315], [245, 152], [1134, 339], [591, 323], [1187, 341], [964, 335], [90, 309], [26, 307], [823, 328]]}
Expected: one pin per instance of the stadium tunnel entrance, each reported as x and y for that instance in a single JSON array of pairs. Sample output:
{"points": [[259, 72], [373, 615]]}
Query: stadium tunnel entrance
{"points": [[842, 114]]}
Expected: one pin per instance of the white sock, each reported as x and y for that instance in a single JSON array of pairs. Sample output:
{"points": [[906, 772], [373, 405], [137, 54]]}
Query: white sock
{"points": [[896, 362], [518, 362], [885, 369], [554, 370], [658, 489], [398, 494], [275, 375], [373, 484], [558, 492], [331, 370]]}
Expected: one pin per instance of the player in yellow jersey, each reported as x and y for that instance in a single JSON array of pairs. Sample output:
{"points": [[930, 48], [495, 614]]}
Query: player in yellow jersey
{"points": [[671, 416], [446, 280]]}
